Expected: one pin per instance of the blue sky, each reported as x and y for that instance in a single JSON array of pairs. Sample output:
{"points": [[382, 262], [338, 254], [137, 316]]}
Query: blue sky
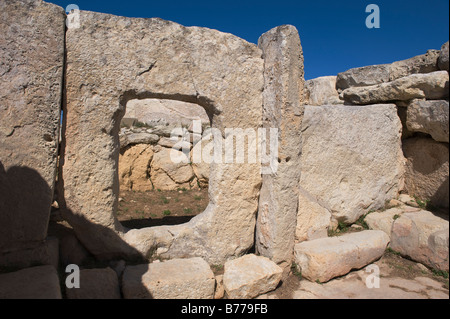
{"points": [[333, 33]]}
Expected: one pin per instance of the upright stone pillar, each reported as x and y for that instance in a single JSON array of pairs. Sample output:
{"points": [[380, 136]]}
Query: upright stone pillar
{"points": [[282, 100]]}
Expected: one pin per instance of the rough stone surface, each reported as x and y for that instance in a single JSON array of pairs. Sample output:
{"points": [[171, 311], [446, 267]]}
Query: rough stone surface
{"points": [[168, 175], [202, 168], [282, 109], [173, 279], [425, 63], [352, 160], [326, 258], [322, 91], [96, 284], [164, 60], [138, 138], [31, 283], [31, 73], [427, 170], [250, 276], [383, 220], [134, 168], [430, 117], [164, 111], [423, 237], [443, 57], [433, 86], [363, 76], [313, 220]]}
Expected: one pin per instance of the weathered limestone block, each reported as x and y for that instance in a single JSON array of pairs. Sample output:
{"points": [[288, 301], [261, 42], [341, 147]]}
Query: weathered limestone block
{"points": [[363, 76], [383, 220], [174, 279], [96, 284], [31, 73], [430, 117], [167, 174], [313, 220], [443, 57], [165, 111], [40, 282], [322, 91], [433, 86], [162, 60], [138, 138], [134, 168], [425, 63], [327, 258], [282, 98], [427, 170], [250, 276], [202, 168], [352, 159], [423, 237]]}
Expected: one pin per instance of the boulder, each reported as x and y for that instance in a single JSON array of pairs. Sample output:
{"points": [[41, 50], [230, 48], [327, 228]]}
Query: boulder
{"points": [[425, 63], [427, 170], [363, 76], [174, 279], [430, 117], [443, 57], [352, 161], [326, 258], [433, 86], [422, 237], [282, 110], [322, 91], [96, 284], [40, 282], [313, 220], [134, 168], [250, 276], [154, 58], [31, 77], [166, 173], [383, 220]]}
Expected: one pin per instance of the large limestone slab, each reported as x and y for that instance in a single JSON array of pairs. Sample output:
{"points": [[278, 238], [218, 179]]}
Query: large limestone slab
{"points": [[383, 220], [433, 86], [423, 237], [31, 283], [352, 160], [427, 170], [157, 59], [31, 73], [282, 110], [430, 117], [173, 279], [322, 91], [250, 276], [443, 57], [327, 258], [96, 284], [134, 168], [425, 63], [363, 76]]}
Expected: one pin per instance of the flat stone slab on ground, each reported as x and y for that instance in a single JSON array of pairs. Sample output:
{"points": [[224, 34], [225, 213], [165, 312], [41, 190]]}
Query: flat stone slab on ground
{"points": [[326, 258], [174, 279], [31, 283], [96, 284], [250, 276]]}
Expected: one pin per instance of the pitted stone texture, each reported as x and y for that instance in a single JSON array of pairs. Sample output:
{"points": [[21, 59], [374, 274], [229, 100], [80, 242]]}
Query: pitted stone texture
{"points": [[443, 57], [154, 58], [425, 63], [327, 258], [174, 279], [96, 284], [283, 110], [250, 276], [134, 168], [423, 237], [433, 86], [363, 76], [322, 91], [427, 170], [352, 160], [31, 73], [430, 117]]}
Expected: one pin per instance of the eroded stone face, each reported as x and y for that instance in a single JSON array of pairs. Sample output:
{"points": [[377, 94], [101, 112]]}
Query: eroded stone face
{"points": [[112, 60], [31, 74]]}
